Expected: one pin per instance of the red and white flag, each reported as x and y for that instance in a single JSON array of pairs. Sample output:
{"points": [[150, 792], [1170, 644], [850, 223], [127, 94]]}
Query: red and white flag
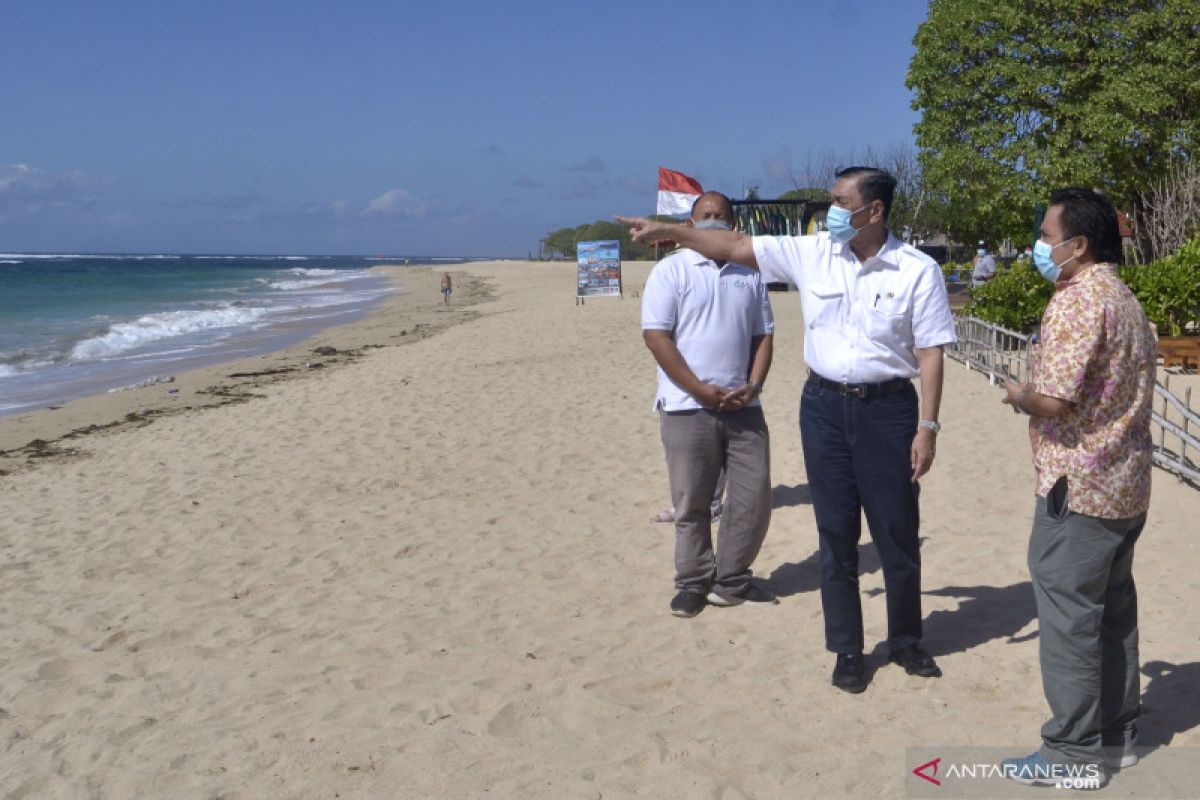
{"points": [[676, 192]]}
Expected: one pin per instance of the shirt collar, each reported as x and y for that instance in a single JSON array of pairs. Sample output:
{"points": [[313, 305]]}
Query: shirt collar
{"points": [[1087, 273], [697, 260], [888, 256]]}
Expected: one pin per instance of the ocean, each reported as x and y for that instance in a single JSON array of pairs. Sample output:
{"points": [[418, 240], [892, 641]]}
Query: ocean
{"points": [[72, 325]]}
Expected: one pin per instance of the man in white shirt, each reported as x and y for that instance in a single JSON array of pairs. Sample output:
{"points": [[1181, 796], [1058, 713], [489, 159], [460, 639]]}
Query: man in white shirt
{"points": [[876, 316], [984, 266], [709, 326]]}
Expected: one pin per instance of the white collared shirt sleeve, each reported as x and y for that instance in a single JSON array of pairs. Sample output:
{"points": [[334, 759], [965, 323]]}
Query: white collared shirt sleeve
{"points": [[779, 258], [764, 324], [932, 322], [660, 299]]}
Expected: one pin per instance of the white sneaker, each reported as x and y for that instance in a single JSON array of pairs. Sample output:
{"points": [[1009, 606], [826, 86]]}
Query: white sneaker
{"points": [[724, 600], [1120, 759], [1123, 755], [753, 594]]}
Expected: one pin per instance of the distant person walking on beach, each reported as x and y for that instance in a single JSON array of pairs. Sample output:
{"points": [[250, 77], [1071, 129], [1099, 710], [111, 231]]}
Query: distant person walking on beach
{"points": [[876, 316], [447, 288], [708, 324], [1089, 404]]}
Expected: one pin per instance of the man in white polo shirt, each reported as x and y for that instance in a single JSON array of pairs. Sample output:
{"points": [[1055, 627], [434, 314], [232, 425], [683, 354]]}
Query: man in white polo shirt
{"points": [[709, 326], [876, 316]]}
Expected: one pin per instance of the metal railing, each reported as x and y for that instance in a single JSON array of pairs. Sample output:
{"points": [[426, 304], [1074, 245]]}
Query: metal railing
{"points": [[997, 352], [1183, 429], [990, 349]]}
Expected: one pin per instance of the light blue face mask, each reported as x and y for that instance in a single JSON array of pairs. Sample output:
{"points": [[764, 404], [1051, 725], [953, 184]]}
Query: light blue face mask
{"points": [[837, 220], [711, 225], [1045, 265]]}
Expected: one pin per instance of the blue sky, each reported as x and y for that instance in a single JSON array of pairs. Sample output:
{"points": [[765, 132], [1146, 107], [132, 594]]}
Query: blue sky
{"points": [[434, 128]]}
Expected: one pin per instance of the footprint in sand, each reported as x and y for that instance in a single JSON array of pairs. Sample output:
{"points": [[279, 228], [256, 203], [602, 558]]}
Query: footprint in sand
{"points": [[518, 720]]}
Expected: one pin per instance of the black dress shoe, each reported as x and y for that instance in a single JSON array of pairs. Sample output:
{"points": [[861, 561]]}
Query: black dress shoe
{"points": [[848, 673], [916, 661], [687, 604]]}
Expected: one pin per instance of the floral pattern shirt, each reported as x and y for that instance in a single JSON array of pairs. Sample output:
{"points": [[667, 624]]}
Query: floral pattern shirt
{"points": [[1097, 351]]}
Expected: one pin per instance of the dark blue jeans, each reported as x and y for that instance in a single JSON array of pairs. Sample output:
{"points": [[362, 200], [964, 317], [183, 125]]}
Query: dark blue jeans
{"points": [[857, 452]]}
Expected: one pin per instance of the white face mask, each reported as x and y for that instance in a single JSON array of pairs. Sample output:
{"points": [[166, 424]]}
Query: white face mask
{"points": [[711, 225]]}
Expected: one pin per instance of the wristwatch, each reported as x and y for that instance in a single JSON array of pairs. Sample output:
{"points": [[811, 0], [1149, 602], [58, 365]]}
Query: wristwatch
{"points": [[757, 387], [932, 424]]}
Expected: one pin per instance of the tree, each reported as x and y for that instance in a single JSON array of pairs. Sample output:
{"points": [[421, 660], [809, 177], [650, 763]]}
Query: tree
{"points": [[563, 241], [914, 207], [559, 243], [1019, 97], [810, 194], [1170, 213]]}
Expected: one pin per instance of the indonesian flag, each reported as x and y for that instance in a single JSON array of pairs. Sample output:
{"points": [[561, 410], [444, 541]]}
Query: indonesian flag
{"points": [[676, 192]]}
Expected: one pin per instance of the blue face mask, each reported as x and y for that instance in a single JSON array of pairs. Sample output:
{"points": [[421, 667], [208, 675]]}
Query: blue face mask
{"points": [[981, 252], [1045, 265], [711, 225], [837, 220]]}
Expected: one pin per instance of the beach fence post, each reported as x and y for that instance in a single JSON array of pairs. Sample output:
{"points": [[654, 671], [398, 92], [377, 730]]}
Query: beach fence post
{"points": [[1187, 401], [1162, 431]]}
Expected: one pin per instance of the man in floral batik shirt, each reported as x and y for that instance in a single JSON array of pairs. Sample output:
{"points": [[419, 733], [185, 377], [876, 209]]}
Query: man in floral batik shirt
{"points": [[1090, 402]]}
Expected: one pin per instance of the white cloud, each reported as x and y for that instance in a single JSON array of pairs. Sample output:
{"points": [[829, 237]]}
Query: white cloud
{"points": [[397, 204], [593, 164], [226, 202], [28, 190]]}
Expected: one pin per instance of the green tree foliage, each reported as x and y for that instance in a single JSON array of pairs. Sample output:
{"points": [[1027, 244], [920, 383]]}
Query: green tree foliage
{"points": [[559, 243], [562, 242], [1169, 290], [1015, 298], [1018, 97]]}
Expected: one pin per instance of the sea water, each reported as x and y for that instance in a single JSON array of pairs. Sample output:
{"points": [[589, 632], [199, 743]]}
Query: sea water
{"points": [[76, 324]]}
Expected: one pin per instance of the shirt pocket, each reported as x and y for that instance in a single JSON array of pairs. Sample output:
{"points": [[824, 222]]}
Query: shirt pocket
{"points": [[887, 317], [821, 310]]}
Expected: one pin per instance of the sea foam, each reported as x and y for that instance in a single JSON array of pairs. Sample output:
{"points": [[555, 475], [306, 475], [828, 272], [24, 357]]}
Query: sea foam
{"points": [[127, 336], [314, 277]]}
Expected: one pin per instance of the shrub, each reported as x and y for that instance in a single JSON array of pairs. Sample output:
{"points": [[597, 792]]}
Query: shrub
{"points": [[1015, 298], [1169, 290], [956, 273]]}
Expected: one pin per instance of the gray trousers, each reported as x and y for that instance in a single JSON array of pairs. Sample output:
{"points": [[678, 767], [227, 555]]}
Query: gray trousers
{"points": [[698, 444], [1082, 575]]}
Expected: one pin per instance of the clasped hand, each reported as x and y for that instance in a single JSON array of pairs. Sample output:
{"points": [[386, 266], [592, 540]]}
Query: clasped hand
{"points": [[720, 399]]}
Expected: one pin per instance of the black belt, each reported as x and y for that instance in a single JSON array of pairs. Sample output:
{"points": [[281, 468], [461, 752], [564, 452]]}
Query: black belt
{"points": [[862, 390]]}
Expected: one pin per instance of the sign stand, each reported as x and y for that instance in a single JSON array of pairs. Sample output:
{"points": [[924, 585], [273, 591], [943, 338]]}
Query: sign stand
{"points": [[598, 271]]}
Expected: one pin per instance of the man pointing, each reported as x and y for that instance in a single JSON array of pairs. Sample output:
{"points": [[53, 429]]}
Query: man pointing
{"points": [[876, 317]]}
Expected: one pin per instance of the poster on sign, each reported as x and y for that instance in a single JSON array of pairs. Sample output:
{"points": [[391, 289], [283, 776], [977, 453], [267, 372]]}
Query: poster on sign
{"points": [[599, 270]]}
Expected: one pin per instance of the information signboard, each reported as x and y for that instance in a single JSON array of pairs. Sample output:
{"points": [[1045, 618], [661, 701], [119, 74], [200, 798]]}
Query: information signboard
{"points": [[599, 270]]}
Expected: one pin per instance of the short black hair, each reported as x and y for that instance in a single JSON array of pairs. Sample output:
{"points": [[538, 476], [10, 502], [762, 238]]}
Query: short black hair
{"points": [[728, 203], [1087, 213], [873, 184]]}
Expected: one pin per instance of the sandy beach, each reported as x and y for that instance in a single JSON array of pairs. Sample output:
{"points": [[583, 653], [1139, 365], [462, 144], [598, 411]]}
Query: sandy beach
{"points": [[424, 568]]}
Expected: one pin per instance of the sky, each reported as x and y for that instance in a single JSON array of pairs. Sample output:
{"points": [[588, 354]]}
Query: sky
{"points": [[449, 128]]}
